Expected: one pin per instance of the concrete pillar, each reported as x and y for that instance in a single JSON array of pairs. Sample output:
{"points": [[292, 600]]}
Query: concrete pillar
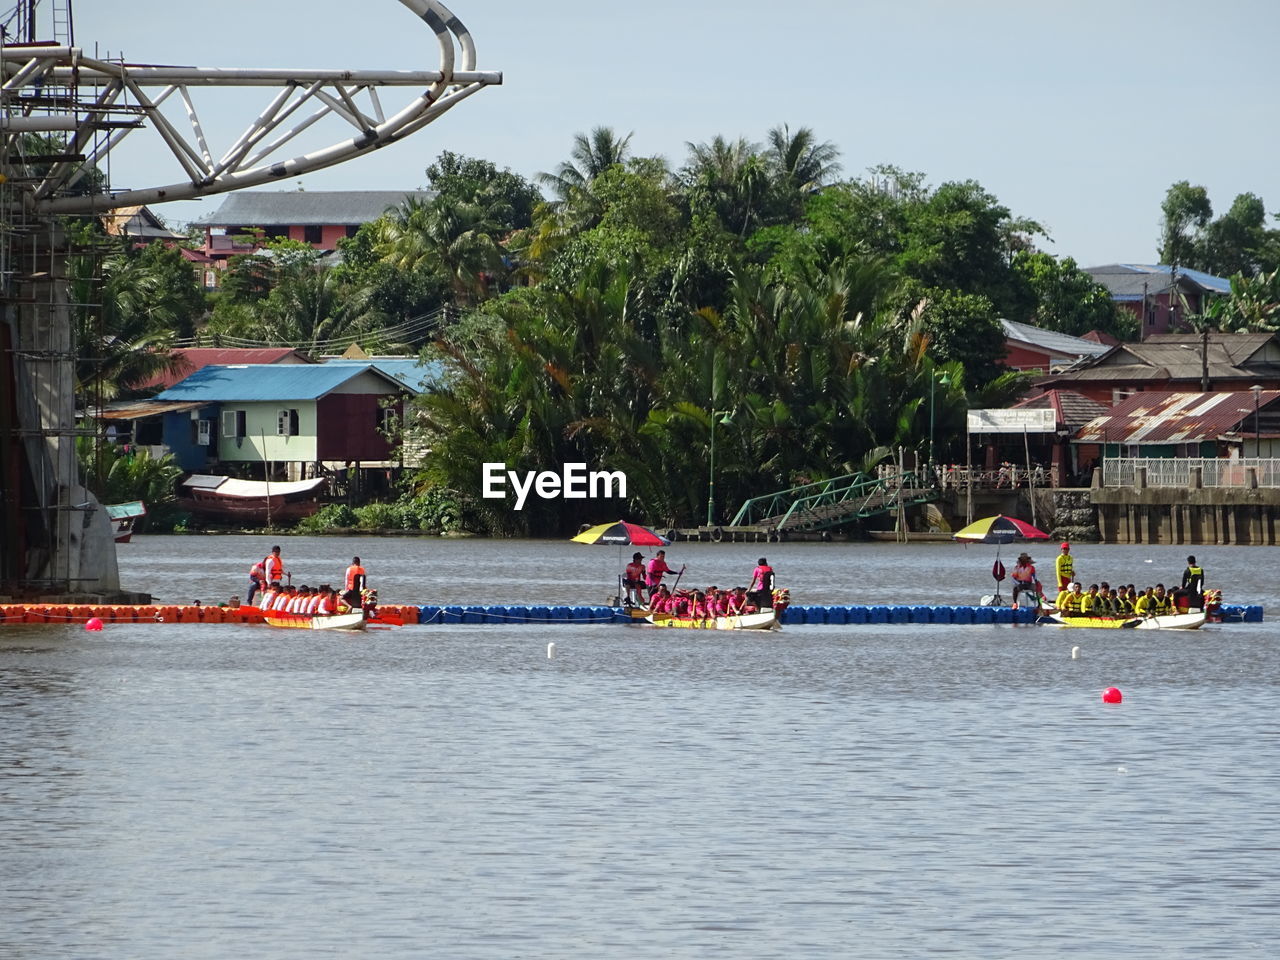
{"points": [[1195, 479]]}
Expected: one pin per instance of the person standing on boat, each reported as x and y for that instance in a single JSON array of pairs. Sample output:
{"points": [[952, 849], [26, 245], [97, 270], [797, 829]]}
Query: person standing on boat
{"points": [[273, 567], [761, 590], [633, 581], [1064, 566], [1193, 583], [657, 568], [355, 578]]}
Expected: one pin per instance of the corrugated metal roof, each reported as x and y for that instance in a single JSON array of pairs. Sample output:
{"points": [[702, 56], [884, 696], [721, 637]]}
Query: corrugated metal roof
{"points": [[1129, 281], [1052, 340], [264, 382], [1073, 410], [1160, 417], [193, 358], [264, 208], [417, 375], [136, 410], [1180, 356]]}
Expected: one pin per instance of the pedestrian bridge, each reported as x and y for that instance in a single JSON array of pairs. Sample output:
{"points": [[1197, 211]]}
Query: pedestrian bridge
{"points": [[834, 502]]}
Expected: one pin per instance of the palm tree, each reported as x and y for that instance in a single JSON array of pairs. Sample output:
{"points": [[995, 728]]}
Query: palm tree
{"points": [[729, 179], [575, 207], [799, 165], [457, 239], [591, 156]]}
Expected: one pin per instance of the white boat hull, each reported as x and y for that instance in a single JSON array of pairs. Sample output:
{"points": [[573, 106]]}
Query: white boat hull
{"points": [[766, 620], [298, 621]]}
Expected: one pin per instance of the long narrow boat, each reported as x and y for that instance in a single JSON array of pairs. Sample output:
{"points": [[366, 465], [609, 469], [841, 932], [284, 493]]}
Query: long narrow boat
{"points": [[301, 621], [765, 620], [1172, 621]]}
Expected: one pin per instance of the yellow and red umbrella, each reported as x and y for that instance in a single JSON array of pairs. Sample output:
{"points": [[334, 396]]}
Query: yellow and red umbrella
{"points": [[999, 529], [623, 534]]}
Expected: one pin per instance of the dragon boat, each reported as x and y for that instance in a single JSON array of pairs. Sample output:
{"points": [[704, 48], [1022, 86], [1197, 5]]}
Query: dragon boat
{"points": [[1169, 621]]}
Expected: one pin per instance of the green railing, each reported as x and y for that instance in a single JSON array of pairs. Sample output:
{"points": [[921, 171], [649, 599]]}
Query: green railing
{"points": [[830, 503]]}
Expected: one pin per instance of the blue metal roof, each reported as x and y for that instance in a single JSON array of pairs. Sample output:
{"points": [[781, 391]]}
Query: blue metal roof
{"points": [[1206, 280], [416, 374], [304, 381]]}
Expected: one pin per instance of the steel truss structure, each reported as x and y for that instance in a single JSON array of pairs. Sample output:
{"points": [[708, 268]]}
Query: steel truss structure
{"points": [[124, 98], [62, 112]]}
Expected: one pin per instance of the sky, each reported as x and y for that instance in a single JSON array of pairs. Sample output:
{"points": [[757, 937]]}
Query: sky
{"points": [[1078, 114]]}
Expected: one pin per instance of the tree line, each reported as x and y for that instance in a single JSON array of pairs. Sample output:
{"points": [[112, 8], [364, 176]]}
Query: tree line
{"points": [[619, 309]]}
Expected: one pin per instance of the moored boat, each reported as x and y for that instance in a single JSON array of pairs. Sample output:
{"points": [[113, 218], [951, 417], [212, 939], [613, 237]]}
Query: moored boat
{"points": [[301, 621], [765, 620], [1170, 621], [123, 516]]}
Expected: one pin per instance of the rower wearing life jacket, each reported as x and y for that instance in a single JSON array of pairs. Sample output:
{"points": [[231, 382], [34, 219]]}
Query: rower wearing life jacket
{"points": [[1070, 600], [1089, 602]]}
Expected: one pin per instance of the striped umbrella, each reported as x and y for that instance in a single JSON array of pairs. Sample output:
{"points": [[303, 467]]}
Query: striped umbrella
{"points": [[999, 529], [623, 534]]}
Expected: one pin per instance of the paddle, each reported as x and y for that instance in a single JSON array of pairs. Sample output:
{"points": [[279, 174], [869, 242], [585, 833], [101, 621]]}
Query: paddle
{"points": [[683, 567]]}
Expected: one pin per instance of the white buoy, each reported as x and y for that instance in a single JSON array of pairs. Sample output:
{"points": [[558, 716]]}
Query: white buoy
{"points": [[1075, 653], [551, 650]]}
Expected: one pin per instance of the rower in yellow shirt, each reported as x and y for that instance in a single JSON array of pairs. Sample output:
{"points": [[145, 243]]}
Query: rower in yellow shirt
{"points": [[1070, 600]]}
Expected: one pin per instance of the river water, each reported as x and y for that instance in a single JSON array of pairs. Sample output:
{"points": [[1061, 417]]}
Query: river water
{"points": [[215, 791]]}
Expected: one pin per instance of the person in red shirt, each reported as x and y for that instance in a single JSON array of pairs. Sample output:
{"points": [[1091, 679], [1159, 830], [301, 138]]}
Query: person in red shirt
{"points": [[633, 581]]}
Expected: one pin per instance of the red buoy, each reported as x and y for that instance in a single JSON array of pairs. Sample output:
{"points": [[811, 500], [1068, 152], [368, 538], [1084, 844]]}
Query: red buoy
{"points": [[1112, 695], [93, 623]]}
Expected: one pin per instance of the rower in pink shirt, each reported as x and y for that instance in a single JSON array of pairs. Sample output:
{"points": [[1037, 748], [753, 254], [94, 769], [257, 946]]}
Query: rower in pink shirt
{"points": [[657, 567]]}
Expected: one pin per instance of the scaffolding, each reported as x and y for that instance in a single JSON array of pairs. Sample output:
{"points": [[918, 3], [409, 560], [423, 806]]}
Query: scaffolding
{"points": [[61, 114]]}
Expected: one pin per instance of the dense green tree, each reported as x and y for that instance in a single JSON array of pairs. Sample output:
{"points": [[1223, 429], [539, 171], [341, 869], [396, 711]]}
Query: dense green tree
{"points": [[508, 198], [728, 179], [130, 306], [1187, 212], [1069, 300]]}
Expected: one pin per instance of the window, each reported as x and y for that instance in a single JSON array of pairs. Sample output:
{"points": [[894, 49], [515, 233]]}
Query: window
{"points": [[233, 424], [352, 231], [287, 423], [387, 422], [311, 233], [201, 431]]}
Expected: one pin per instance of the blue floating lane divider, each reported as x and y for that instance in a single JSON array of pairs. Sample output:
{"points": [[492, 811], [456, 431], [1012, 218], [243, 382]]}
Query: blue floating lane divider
{"points": [[810, 614]]}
